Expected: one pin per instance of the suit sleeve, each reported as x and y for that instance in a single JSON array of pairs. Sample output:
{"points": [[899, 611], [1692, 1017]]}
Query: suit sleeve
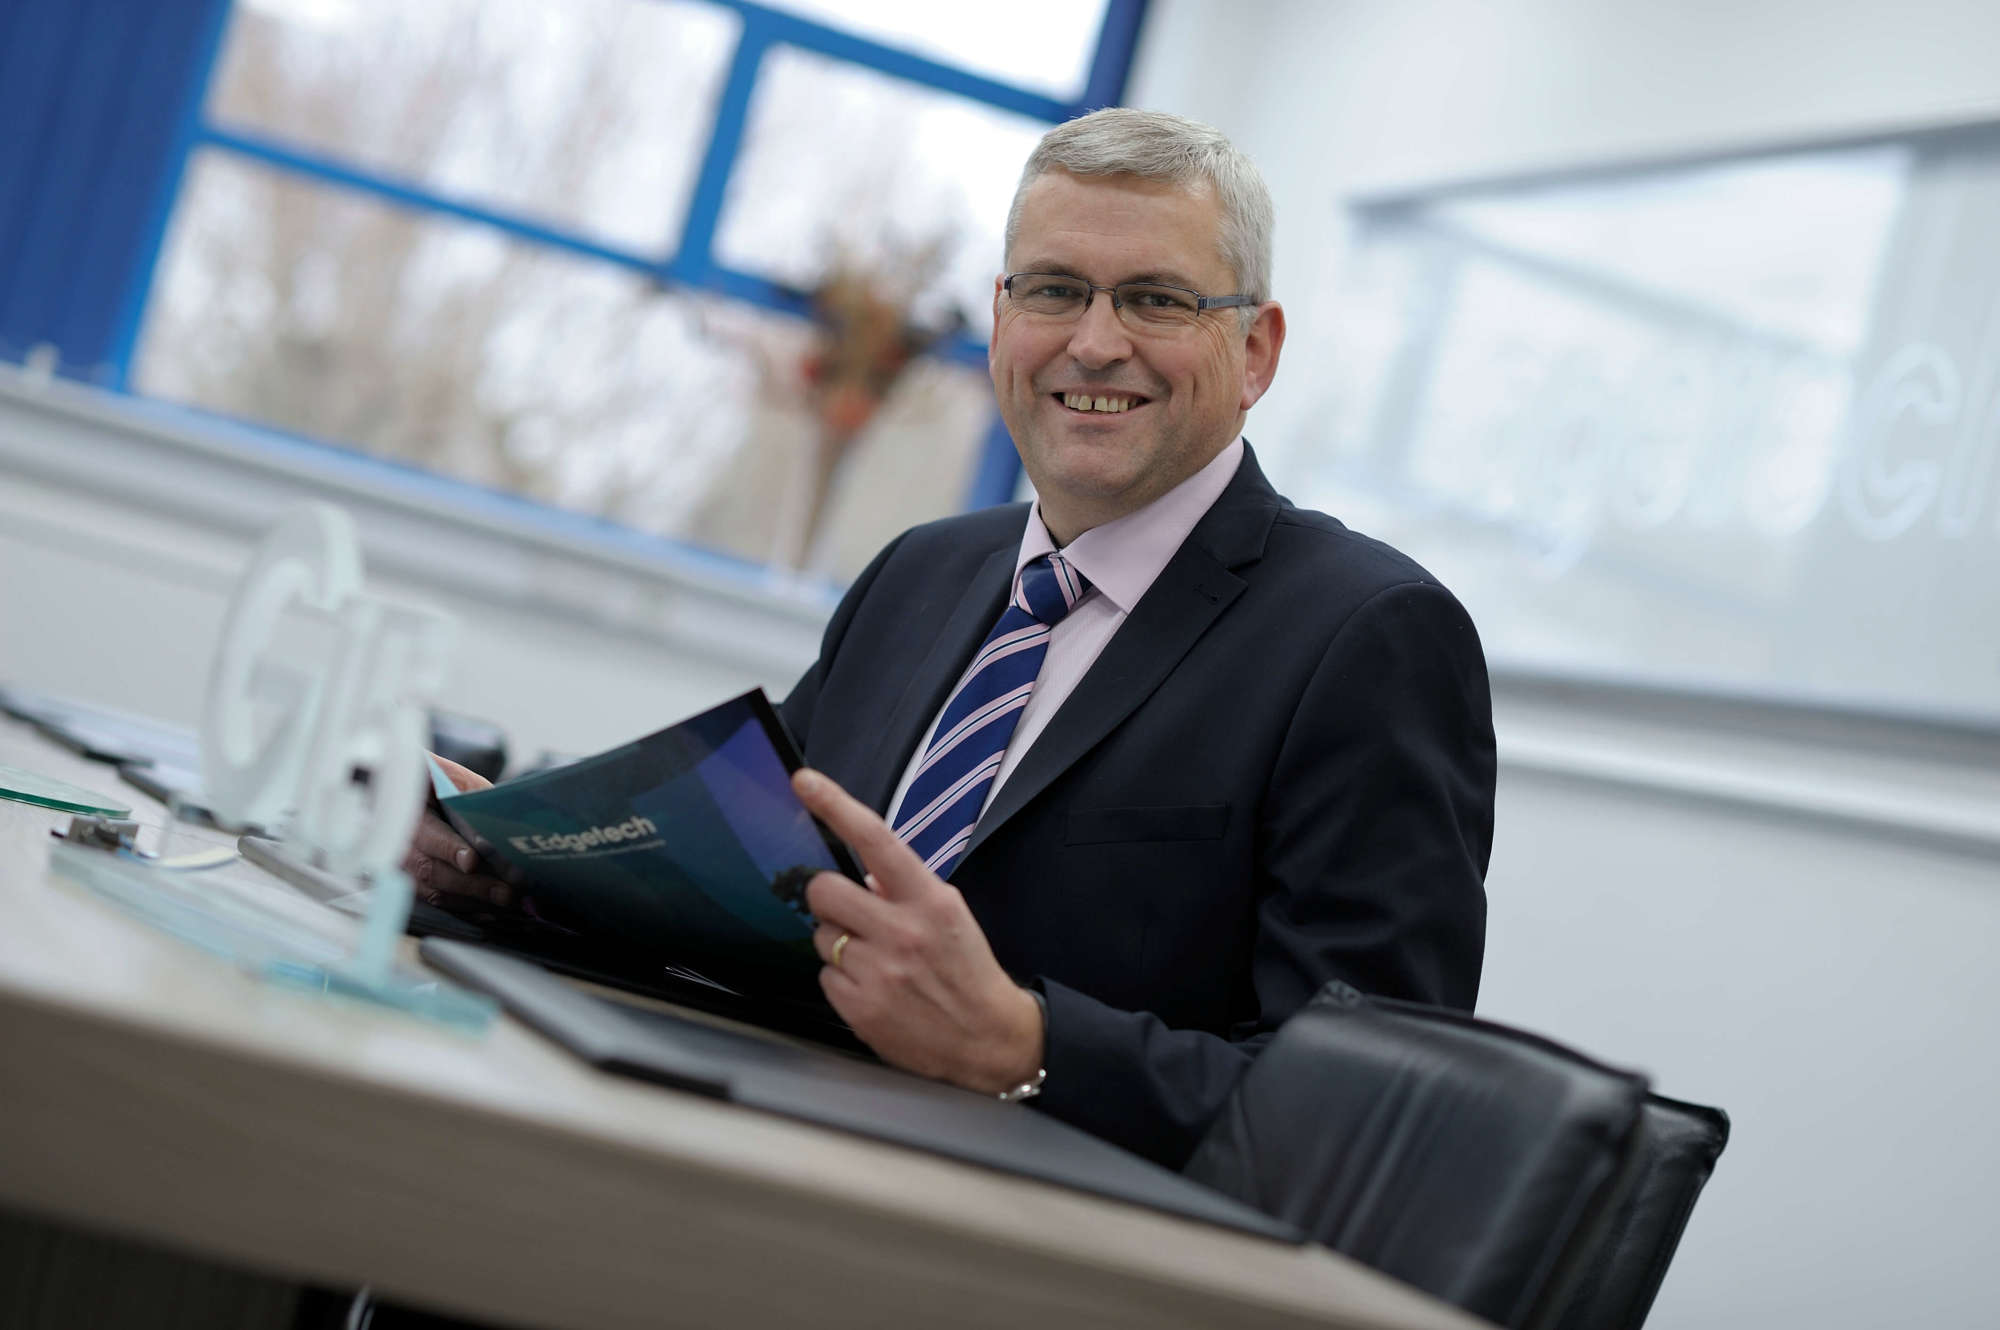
{"points": [[1371, 848]]}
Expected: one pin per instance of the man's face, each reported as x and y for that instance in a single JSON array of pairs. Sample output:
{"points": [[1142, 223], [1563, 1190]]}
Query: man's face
{"points": [[1185, 389]]}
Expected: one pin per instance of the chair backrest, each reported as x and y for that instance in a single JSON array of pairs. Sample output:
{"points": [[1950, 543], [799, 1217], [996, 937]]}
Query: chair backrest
{"points": [[1473, 1161], [1678, 1150]]}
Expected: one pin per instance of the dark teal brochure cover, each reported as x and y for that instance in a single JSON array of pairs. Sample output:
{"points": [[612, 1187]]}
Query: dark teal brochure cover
{"points": [[687, 844]]}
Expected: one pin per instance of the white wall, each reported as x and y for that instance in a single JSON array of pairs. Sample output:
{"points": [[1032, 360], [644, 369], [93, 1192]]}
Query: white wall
{"points": [[123, 528], [1380, 95], [1835, 991], [1748, 918], [1831, 982]]}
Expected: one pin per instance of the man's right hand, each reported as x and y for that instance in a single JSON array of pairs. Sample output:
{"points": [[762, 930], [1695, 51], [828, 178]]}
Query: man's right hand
{"points": [[440, 863]]}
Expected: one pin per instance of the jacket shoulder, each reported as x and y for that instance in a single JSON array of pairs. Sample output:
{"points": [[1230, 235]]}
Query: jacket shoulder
{"points": [[1322, 546]]}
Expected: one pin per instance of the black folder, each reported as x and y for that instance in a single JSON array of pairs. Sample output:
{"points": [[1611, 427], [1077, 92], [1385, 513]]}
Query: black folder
{"points": [[833, 1089]]}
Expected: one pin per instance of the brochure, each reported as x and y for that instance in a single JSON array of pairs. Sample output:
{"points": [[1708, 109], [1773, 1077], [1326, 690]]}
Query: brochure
{"points": [[686, 847]]}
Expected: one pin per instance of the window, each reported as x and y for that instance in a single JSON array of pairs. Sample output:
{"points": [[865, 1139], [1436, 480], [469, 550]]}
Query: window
{"points": [[984, 38], [590, 115], [586, 250], [1731, 424], [825, 158]]}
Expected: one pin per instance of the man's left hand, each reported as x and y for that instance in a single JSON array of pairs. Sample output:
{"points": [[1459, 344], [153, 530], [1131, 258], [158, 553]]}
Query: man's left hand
{"points": [[915, 978]]}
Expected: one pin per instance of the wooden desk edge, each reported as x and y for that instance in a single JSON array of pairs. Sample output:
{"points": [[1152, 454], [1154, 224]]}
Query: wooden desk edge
{"points": [[279, 1167]]}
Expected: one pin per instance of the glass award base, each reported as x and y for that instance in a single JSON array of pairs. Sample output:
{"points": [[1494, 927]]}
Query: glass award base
{"points": [[278, 950], [31, 787]]}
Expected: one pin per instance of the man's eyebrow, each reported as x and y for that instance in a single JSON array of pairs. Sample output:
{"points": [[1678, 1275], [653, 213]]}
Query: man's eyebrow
{"points": [[1051, 267], [1155, 276]]}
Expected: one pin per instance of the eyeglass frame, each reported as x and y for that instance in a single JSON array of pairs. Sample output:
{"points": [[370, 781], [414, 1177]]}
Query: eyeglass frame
{"points": [[1202, 303]]}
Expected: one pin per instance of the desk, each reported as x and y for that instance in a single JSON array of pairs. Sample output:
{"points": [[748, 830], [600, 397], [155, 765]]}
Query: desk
{"points": [[154, 1093]]}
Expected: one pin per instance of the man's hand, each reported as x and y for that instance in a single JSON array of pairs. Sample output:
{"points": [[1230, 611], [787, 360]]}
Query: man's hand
{"points": [[915, 978], [440, 863]]}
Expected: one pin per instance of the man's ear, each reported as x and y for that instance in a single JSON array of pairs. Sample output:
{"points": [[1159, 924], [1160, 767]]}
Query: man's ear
{"points": [[999, 285], [1261, 346]]}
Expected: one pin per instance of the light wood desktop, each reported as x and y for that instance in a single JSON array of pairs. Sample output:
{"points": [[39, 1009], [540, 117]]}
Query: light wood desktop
{"points": [[152, 1092]]}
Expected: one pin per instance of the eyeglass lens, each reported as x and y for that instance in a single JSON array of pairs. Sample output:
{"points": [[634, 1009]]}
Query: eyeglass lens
{"points": [[1140, 302]]}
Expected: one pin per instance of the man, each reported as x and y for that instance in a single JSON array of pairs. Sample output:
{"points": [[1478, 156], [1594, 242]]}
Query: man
{"points": [[1160, 754]]}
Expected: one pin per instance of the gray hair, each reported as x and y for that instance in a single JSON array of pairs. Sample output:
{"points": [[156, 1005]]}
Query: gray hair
{"points": [[1153, 145]]}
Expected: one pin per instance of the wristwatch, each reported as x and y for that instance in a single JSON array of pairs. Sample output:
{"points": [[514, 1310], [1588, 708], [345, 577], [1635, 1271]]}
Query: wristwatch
{"points": [[1030, 1088]]}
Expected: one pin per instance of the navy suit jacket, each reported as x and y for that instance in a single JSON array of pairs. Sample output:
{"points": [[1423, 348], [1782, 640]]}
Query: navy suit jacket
{"points": [[1279, 772]]}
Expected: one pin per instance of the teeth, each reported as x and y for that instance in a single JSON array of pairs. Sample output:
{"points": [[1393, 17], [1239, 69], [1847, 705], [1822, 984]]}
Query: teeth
{"points": [[1086, 402]]}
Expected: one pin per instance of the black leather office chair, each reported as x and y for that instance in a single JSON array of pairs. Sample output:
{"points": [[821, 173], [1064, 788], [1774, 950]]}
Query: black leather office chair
{"points": [[1473, 1161], [1680, 1145]]}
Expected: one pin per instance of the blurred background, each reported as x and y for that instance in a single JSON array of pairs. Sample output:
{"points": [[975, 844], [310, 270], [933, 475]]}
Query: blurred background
{"points": [[1667, 334]]}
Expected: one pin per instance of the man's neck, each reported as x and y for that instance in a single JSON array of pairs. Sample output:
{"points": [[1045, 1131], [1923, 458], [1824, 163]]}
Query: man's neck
{"points": [[1065, 526], [1062, 531]]}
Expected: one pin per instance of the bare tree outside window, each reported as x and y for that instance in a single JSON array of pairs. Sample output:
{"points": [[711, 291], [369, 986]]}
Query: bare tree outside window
{"points": [[417, 336]]}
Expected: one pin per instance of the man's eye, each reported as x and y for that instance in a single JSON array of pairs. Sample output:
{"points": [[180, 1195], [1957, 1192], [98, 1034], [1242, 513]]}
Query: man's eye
{"points": [[1057, 291], [1158, 300]]}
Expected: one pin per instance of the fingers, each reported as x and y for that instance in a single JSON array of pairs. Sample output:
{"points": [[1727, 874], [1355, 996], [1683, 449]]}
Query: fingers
{"points": [[441, 884], [894, 867], [826, 937], [463, 777], [840, 903], [844, 995], [435, 839], [443, 866], [844, 992]]}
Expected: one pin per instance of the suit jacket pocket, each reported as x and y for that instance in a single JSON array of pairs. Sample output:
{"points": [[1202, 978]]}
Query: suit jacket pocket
{"points": [[1096, 826]]}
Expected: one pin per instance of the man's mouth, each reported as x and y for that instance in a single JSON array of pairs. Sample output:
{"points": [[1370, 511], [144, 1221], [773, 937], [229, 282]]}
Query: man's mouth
{"points": [[1110, 403]]}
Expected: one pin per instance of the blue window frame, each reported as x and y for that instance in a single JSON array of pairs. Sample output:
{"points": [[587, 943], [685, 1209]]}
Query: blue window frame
{"points": [[122, 107]]}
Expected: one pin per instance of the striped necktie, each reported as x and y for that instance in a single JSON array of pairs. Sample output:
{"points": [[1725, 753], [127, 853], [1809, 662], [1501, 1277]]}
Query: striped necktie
{"points": [[945, 798]]}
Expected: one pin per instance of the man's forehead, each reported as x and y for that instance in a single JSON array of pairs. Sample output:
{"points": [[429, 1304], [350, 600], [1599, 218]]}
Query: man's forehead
{"points": [[1176, 225]]}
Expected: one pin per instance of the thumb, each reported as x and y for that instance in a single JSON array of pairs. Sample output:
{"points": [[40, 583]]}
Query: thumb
{"points": [[463, 777]]}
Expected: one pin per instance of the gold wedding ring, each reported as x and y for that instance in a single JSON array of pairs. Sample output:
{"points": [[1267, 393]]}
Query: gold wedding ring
{"points": [[839, 945]]}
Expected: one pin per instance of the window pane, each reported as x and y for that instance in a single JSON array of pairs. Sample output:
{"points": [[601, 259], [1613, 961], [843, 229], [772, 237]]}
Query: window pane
{"points": [[843, 165], [591, 114], [987, 38], [1679, 237], [573, 382]]}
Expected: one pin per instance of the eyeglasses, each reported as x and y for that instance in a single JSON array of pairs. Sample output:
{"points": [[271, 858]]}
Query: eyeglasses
{"points": [[1145, 305]]}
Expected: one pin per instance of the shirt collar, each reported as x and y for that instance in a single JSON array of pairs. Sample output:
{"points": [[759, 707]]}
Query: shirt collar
{"points": [[1122, 557]]}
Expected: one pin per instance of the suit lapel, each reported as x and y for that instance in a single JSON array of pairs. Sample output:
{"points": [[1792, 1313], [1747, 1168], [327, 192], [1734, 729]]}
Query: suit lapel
{"points": [[1188, 596], [930, 684]]}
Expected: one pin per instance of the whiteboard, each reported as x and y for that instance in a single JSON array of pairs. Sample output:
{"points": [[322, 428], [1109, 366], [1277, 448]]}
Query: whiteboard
{"points": [[1730, 425]]}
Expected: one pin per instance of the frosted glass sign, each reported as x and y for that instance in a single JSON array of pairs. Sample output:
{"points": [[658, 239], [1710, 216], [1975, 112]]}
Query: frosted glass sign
{"points": [[1731, 425]]}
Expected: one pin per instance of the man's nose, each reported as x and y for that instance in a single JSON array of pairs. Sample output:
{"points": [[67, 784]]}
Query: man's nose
{"points": [[1099, 337]]}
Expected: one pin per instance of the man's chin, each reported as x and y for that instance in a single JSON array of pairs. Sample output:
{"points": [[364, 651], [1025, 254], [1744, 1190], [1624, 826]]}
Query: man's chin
{"points": [[1088, 468], [1092, 494]]}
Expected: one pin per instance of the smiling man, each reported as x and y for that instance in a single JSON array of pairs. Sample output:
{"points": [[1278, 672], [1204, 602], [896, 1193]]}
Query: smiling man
{"points": [[1136, 768], [1115, 401], [1160, 754]]}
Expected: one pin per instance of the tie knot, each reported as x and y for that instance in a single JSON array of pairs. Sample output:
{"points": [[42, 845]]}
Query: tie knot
{"points": [[1049, 589]]}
